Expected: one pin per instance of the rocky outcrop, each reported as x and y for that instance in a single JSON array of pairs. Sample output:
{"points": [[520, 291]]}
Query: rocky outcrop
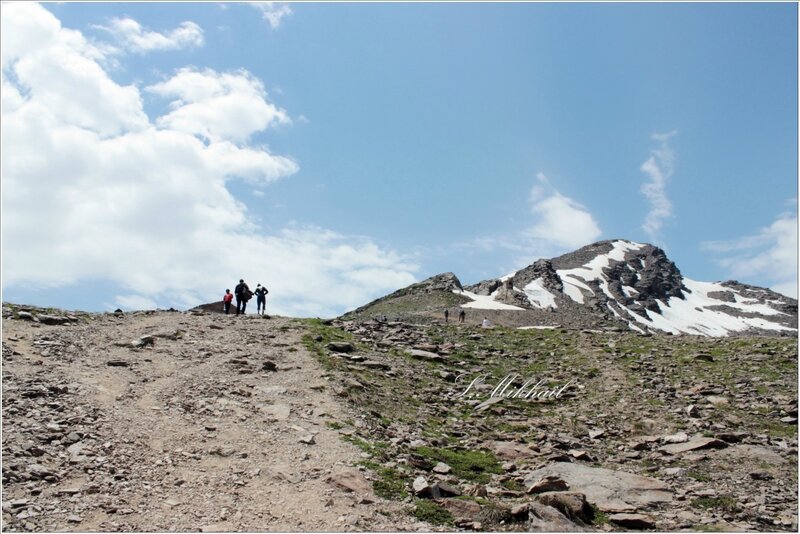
{"points": [[658, 278], [212, 307], [422, 295], [440, 282], [540, 270], [508, 294], [486, 287], [609, 490]]}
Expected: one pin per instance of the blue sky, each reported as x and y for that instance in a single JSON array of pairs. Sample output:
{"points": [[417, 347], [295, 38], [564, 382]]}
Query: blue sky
{"points": [[155, 153]]}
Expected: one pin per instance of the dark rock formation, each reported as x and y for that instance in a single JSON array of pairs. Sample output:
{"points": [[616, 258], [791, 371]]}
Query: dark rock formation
{"points": [[540, 269], [212, 307]]}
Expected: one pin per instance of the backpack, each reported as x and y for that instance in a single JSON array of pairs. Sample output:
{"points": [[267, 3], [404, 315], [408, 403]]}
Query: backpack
{"points": [[247, 294]]}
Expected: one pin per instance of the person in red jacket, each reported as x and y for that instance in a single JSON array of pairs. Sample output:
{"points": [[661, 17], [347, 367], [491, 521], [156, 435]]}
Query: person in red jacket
{"points": [[226, 300]]}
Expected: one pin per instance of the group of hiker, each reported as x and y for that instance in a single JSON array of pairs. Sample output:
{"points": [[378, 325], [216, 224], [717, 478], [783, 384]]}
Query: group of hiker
{"points": [[243, 293], [462, 315]]}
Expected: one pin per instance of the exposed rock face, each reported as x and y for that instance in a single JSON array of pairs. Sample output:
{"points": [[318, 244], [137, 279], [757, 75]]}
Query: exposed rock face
{"points": [[442, 282], [508, 294], [775, 300], [487, 287], [649, 272], [582, 256], [610, 491], [658, 278], [541, 269]]}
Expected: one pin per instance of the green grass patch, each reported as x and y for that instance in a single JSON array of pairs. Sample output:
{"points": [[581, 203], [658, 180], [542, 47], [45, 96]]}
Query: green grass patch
{"points": [[700, 477], [476, 466], [390, 484], [432, 513], [600, 518], [513, 485], [373, 449]]}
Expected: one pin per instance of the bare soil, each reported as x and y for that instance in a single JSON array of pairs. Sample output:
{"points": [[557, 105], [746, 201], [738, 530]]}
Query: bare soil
{"points": [[216, 423]]}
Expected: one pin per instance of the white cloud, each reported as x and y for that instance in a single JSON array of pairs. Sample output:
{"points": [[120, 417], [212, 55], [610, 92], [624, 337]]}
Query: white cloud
{"points": [[658, 168], [559, 225], [769, 255], [216, 105], [93, 190], [134, 37], [273, 12], [60, 67], [560, 220]]}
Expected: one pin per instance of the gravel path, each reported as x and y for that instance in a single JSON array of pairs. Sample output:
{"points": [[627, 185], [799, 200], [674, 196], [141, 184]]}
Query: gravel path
{"points": [[214, 423]]}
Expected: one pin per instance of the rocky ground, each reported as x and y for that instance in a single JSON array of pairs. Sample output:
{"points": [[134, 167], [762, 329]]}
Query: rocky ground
{"points": [[196, 421], [666, 432], [163, 421]]}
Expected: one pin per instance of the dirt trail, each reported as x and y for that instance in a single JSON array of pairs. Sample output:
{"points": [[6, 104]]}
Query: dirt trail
{"points": [[222, 423]]}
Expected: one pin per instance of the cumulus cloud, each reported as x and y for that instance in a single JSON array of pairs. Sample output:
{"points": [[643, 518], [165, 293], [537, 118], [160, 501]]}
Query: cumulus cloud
{"points": [[216, 105], [559, 224], [560, 220], [57, 76], [130, 34], [658, 168], [769, 256], [273, 12], [95, 190]]}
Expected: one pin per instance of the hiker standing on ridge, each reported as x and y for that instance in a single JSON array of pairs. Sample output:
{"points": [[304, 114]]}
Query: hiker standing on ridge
{"points": [[461, 315], [261, 299], [243, 294], [446, 315], [226, 301]]}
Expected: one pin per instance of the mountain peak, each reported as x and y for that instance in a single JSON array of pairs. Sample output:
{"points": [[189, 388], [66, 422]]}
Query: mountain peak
{"points": [[638, 284], [611, 282]]}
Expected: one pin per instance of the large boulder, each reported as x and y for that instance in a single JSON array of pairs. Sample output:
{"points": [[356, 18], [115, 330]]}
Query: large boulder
{"points": [[212, 307], [610, 491]]}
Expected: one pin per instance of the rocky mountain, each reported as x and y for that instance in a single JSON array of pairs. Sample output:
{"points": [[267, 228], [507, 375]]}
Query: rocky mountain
{"points": [[614, 283]]}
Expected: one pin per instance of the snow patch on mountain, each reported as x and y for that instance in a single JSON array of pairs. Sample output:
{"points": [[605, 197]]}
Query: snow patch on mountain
{"points": [[484, 302], [576, 277], [695, 314], [539, 296]]}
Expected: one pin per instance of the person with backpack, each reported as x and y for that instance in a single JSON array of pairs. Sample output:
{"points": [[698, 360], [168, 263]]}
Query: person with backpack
{"points": [[261, 299], [243, 294], [226, 301]]}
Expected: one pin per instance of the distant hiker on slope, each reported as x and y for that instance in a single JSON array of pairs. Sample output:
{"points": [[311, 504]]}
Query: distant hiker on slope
{"points": [[243, 294], [261, 298], [226, 301], [446, 315], [462, 315]]}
